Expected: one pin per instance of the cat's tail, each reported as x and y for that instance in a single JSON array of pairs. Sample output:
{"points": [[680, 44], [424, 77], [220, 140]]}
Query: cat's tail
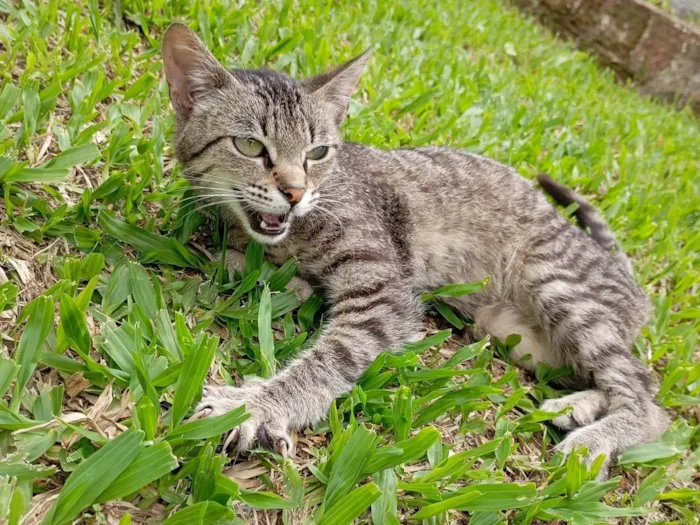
{"points": [[586, 216]]}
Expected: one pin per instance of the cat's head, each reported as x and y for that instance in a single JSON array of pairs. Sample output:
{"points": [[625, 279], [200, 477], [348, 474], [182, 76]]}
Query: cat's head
{"points": [[257, 143]]}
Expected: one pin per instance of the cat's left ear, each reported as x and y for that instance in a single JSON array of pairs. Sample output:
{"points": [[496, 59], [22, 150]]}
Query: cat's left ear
{"points": [[335, 87]]}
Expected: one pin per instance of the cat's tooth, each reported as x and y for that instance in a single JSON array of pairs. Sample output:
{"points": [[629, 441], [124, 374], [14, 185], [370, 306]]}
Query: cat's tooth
{"points": [[263, 224]]}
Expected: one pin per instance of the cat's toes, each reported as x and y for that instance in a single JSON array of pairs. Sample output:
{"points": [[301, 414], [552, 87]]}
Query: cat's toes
{"points": [[565, 421], [586, 408], [590, 439], [264, 427], [253, 433]]}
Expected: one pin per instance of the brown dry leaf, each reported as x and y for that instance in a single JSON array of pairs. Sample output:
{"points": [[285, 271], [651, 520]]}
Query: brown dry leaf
{"points": [[103, 402], [41, 504], [76, 384], [22, 269], [246, 470]]}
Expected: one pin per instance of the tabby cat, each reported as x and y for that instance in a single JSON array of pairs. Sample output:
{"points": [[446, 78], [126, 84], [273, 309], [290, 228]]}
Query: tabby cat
{"points": [[375, 228]]}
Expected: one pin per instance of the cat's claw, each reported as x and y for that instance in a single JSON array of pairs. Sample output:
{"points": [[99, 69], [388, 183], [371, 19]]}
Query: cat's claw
{"points": [[264, 428]]}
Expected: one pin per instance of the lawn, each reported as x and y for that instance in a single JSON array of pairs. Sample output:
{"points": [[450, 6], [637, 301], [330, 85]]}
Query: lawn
{"points": [[114, 309]]}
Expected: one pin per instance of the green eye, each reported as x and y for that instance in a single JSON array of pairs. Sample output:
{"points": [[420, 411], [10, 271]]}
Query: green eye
{"points": [[317, 153], [249, 147]]}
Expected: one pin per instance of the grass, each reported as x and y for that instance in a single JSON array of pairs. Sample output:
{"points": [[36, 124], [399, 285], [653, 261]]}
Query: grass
{"points": [[113, 312]]}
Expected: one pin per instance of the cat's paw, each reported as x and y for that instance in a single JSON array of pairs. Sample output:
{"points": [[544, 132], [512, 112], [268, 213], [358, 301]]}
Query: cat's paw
{"points": [[586, 408], [301, 288], [596, 444], [266, 427]]}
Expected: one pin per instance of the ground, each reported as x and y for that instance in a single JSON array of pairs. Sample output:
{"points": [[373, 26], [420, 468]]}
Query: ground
{"points": [[114, 309]]}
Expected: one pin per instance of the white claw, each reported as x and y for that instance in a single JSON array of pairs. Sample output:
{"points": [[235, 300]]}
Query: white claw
{"points": [[231, 438]]}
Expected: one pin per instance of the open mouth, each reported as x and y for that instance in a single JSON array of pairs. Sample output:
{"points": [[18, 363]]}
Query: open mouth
{"points": [[268, 223]]}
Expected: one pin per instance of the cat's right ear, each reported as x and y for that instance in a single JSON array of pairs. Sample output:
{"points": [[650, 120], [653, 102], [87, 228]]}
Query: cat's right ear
{"points": [[190, 68]]}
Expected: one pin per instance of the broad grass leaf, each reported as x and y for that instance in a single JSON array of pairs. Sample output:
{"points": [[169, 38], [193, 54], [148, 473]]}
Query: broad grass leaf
{"points": [[350, 465], [448, 313], [202, 513], [575, 474], [279, 280], [497, 496], [265, 337], [95, 474], [24, 472], [118, 345], [150, 464], [142, 289], [386, 504], [265, 500], [308, 310], [148, 417], [404, 451], [168, 250], [192, 375], [8, 98], [456, 290], [91, 265], [209, 427], [649, 452], [443, 506], [83, 154], [351, 505], [254, 254], [466, 353], [39, 323], [33, 445], [596, 510], [164, 329], [452, 400], [402, 413], [651, 487], [8, 372], [74, 326], [421, 346]]}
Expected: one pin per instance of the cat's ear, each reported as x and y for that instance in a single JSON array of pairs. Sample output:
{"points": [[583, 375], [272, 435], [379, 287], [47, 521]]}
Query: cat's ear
{"points": [[335, 87], [190, 68]]}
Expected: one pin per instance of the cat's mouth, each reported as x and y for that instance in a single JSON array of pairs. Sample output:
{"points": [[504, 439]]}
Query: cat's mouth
{"points": [[268, 223]]}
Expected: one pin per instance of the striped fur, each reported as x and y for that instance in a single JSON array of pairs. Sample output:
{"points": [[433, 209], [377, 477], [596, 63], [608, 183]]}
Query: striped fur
{"points": [[376, 228]]}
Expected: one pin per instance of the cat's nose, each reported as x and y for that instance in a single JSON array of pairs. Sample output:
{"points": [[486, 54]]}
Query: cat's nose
{"points": [[294, 194]]}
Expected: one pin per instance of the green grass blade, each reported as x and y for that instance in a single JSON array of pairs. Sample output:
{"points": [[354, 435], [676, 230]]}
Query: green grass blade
{"points": [[209, 427], [150, 464], [350, 465], [267, 342], [92, 477], [265, 500], [39, 323], [403, 451], [8, 372], [202, 513], [443, 506], [351, 505], [194, 371]]}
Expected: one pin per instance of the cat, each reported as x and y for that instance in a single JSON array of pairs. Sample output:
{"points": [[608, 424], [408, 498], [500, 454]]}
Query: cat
{"points": [[375, 228]]}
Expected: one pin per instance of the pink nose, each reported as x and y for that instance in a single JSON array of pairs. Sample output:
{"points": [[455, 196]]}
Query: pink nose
{"points": [[294, 194]]}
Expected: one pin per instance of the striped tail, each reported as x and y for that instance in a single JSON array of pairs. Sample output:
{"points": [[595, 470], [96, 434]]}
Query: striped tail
{"points": [[587, 217]]}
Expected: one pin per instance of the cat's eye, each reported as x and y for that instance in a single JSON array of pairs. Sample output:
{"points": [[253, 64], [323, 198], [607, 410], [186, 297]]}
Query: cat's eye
{"points": [[317, 153], [249, 147]]}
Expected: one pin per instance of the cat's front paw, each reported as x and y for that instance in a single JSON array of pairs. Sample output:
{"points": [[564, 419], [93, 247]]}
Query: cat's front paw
{"points": [[590, 437], [266, 427]]}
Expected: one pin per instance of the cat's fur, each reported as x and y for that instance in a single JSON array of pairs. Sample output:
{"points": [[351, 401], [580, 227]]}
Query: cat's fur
{"points": [[375, 228]]}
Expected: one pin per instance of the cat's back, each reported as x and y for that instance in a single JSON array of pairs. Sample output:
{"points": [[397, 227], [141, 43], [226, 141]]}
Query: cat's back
{"points": [[446, 190]]}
